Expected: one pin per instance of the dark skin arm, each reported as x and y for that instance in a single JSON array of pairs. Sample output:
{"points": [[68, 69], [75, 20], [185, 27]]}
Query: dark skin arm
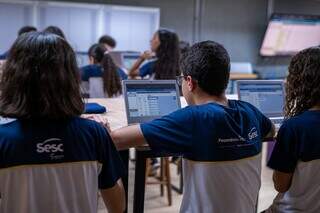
{"points": [[282, 181], [134, 71]]}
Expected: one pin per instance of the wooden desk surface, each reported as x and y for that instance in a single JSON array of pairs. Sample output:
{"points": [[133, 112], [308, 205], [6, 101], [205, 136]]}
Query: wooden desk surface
{"points": [[244, 76]]}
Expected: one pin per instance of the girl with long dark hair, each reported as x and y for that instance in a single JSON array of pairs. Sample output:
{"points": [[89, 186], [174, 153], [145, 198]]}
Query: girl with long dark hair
{"points": [[51, 159], [165, 65], [102, 66]]}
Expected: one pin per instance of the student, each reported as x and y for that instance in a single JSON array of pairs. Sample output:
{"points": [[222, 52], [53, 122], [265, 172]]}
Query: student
{"points": [[219, 139], [109, 42], [51, 159], [55, 30], [165, 47], [296, 155], [102, 65], [25, 29]]}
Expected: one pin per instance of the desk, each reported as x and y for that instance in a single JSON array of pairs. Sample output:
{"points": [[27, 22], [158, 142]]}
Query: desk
{"points": [[116, 116]]}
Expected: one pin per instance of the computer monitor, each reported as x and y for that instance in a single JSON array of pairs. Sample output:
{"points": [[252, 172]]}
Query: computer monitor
{"points": [[147, 100], [267, 95], [82, 59], [128, 59], [288, 34]]}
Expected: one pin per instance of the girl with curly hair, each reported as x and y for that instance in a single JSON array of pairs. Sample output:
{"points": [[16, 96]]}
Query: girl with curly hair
{"points": [[296, 156]]}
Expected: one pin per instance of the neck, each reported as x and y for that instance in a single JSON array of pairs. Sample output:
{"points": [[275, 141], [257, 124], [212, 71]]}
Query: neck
{"points": [[204, 98]]}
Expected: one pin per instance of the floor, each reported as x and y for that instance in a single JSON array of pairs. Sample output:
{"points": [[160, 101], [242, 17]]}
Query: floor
{"points": [[154, 203]]}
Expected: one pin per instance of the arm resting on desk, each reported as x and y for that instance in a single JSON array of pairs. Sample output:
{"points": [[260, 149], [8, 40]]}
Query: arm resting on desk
{"points": [[126, 137], [114, 198]]}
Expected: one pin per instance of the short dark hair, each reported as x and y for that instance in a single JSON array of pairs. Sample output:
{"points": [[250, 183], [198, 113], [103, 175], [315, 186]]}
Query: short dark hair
{"points": [[106, 39], [40, 79], [55, 30], [26, 29], [208, 62]]}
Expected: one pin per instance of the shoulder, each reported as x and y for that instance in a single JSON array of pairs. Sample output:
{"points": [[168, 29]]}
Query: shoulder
{"points": [[9, 127]]}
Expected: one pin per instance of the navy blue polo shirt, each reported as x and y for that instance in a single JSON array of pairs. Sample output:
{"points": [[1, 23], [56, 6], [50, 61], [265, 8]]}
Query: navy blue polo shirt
{"points": [[221, 149], [297, 151], [61, 163], [147, 69], [95, 70], [296, 140], [209, 132]]}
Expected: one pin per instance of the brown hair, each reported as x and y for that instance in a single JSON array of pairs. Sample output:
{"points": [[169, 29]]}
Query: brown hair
{"points": [[111, 79], [40, 79], [303, 82]]}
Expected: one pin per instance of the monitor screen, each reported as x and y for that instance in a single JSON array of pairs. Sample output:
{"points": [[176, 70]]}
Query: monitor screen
{"points": [[288, 34], [267, 97], [149, 101], [129, 60]]}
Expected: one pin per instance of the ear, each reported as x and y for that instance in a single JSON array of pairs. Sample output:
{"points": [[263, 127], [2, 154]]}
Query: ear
{"points": [[190, 83], [91, 60]]}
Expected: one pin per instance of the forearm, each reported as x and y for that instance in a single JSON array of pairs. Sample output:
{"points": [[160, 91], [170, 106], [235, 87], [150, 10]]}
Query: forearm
{"points": [[128, 137], [114, 198], [134, 71]]}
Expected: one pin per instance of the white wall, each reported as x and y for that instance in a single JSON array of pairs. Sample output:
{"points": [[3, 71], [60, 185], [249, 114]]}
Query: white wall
{"points": [[82, 24]]}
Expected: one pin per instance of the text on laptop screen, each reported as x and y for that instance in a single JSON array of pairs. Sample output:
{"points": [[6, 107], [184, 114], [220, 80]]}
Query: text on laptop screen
{"points": [[268, 98], [151, 100]]}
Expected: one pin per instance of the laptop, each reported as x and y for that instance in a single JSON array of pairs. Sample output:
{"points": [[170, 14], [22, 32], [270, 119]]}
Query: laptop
{"points": [[147, 100], [267, 95], [128, 59]]}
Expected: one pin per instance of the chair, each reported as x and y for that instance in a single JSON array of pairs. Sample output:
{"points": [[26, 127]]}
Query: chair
{"points": [[96, 87], [164, 178]]}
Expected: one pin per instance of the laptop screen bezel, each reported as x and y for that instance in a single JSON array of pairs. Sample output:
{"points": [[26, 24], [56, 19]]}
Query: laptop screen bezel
{"points": [[143, 119], [264, 82]]}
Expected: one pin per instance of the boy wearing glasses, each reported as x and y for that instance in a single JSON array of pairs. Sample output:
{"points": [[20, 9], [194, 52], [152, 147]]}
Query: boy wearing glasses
{"points": [[219, 139]]}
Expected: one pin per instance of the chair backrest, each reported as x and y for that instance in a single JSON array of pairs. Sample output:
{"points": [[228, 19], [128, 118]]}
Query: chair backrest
{"points": [[96, 87]]}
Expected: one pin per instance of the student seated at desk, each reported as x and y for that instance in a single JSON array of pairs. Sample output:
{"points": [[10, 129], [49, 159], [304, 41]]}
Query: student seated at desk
{"points": [[165, 47], [51, 160], [219, 139], [104, 70], [296, 155]]}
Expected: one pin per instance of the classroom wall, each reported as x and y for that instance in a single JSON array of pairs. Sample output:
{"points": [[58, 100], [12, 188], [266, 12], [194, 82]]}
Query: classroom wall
{"points": [[297, 6], [239, 25]]}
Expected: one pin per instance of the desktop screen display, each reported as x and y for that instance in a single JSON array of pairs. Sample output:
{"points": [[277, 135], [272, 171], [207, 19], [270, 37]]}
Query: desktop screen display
{"points": [[289, 34], [268, 98], [146, 102], [129, 60]]}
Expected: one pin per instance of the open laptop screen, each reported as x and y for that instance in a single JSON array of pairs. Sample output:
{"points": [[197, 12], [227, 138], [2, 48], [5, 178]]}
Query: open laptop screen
{"points": [[267, 96], [150, 99], [129, 59]]}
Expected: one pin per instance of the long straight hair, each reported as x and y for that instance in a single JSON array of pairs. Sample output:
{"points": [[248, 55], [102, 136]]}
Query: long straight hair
{"points": [[40, 79], [111, 79], [168, 54]]}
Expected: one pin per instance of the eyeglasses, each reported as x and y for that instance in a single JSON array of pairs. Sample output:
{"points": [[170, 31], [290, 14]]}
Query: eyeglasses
{"points": [[179, 79]]}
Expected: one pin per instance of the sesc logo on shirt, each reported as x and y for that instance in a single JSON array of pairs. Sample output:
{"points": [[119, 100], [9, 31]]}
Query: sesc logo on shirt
{"points": [[53, 147], [253, 133]]}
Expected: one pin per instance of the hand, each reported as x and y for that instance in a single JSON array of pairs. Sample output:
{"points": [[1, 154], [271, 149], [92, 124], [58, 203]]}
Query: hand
{"points": [[147, 55], [100, 119]]}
